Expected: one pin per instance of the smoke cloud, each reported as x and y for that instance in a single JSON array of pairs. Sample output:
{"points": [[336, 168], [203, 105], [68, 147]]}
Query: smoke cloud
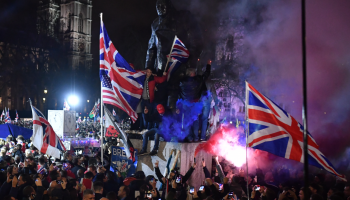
{"points": [[273, 41]]}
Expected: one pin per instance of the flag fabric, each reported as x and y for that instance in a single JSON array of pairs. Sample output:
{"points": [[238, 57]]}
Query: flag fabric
{"points": [[44, 137], [112, 126], [7, 118], [122, 86], [2, 114], [65, 105], [178, 55], [272, 129], [16, 119], [95, 109], [79, 119], [114, 113]]}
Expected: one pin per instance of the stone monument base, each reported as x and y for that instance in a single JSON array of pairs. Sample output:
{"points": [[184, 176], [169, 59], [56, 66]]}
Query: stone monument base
{"points": [[185, 160]]}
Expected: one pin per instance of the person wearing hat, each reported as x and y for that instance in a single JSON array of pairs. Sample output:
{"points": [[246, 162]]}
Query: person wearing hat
{"points": [[157, 118]]}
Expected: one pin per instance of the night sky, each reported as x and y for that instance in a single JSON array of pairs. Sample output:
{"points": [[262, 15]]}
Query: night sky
{"points": [[274, 40]]}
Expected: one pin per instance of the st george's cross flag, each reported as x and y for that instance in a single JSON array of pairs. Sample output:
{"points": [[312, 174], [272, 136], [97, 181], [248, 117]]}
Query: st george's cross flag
{"points": [[122, 86], [44, 137], [272, 129], [178, 56]]}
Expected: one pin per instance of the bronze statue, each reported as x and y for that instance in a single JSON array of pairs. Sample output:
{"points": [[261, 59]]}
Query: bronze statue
{"points": [[169, 23]]}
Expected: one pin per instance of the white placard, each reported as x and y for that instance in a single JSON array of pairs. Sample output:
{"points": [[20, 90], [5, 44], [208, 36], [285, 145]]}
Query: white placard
{"points": [[69, 123], [56, 119]]}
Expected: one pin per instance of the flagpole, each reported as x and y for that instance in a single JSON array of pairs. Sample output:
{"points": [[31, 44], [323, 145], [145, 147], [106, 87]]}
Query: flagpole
{"points": [[246, 134], [304, 110], [101, 112], [167, 62]]}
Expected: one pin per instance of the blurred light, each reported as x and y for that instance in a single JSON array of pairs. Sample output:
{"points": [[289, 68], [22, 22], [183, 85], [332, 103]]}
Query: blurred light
{"points": [[230, 122], [44, 99], [88, 100], [73, 100], [45, 91]]}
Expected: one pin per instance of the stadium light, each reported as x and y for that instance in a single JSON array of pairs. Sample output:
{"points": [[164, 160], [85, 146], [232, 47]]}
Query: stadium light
{"points": [[73, 100]]}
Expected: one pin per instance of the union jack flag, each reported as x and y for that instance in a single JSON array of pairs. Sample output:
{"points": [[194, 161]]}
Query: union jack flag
{"points": [[7, 117], [122, 86], [65, 105], [44, 137], [178, 55], [16, 119], [114, 113], [272, 129]]}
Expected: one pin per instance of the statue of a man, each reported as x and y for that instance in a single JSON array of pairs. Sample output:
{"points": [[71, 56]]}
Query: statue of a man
{"points": [[169, 23]]}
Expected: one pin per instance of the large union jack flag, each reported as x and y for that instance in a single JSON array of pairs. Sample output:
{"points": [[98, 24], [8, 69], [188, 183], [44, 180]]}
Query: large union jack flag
{"points": [[44, 137], [272, 129], [122, 86], [178, 55]]}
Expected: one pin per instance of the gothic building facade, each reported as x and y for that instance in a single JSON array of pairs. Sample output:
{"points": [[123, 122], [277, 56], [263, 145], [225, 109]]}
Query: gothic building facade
{"points": [[69, 22], [35, 64]]}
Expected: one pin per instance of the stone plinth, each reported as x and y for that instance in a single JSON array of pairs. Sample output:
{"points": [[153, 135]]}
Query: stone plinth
{"points": [[146, 162]]}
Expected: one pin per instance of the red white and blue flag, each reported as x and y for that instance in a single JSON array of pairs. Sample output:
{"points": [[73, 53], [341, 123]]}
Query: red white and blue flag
{"points": [[114, 113], [7, 117], [65, 105], [122, 86], [2, 114], [44, 137], [16, 119], [272, 129], [178, 55]]}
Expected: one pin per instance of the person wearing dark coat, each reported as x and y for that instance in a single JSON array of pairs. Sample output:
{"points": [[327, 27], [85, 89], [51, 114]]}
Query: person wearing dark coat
{"points": [[75, 169], [138, 183], [113, 182]]}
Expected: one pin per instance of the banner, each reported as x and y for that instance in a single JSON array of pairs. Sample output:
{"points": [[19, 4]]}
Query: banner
{"points": [[120, 162]]}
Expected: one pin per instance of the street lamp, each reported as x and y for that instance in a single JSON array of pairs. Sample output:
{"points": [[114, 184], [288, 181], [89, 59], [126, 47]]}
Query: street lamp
{"points": [[73, 100], [45, 91]]}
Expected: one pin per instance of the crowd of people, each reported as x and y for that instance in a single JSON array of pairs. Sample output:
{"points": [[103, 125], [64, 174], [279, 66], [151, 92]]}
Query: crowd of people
{"points": [[27, 174]]}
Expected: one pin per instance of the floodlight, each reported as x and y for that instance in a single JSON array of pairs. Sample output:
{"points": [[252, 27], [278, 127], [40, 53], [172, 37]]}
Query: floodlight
{"points": [[73, 100]]}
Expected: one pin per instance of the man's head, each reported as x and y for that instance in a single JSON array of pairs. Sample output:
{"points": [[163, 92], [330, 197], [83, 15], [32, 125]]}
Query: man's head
{"points": [[98, 187], [148, 72], [29, 191], [22, 179], [92, 169], [191, 72], [347, 190], [88, 195], [123, 191], [89, 175], [111, 196], [314, 188], [30, 160], [67, 156], [163, 7], [77, 161]]}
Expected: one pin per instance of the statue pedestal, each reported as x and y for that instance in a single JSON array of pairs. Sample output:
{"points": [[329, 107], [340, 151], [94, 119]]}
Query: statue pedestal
{"points": [[185, 160]]}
